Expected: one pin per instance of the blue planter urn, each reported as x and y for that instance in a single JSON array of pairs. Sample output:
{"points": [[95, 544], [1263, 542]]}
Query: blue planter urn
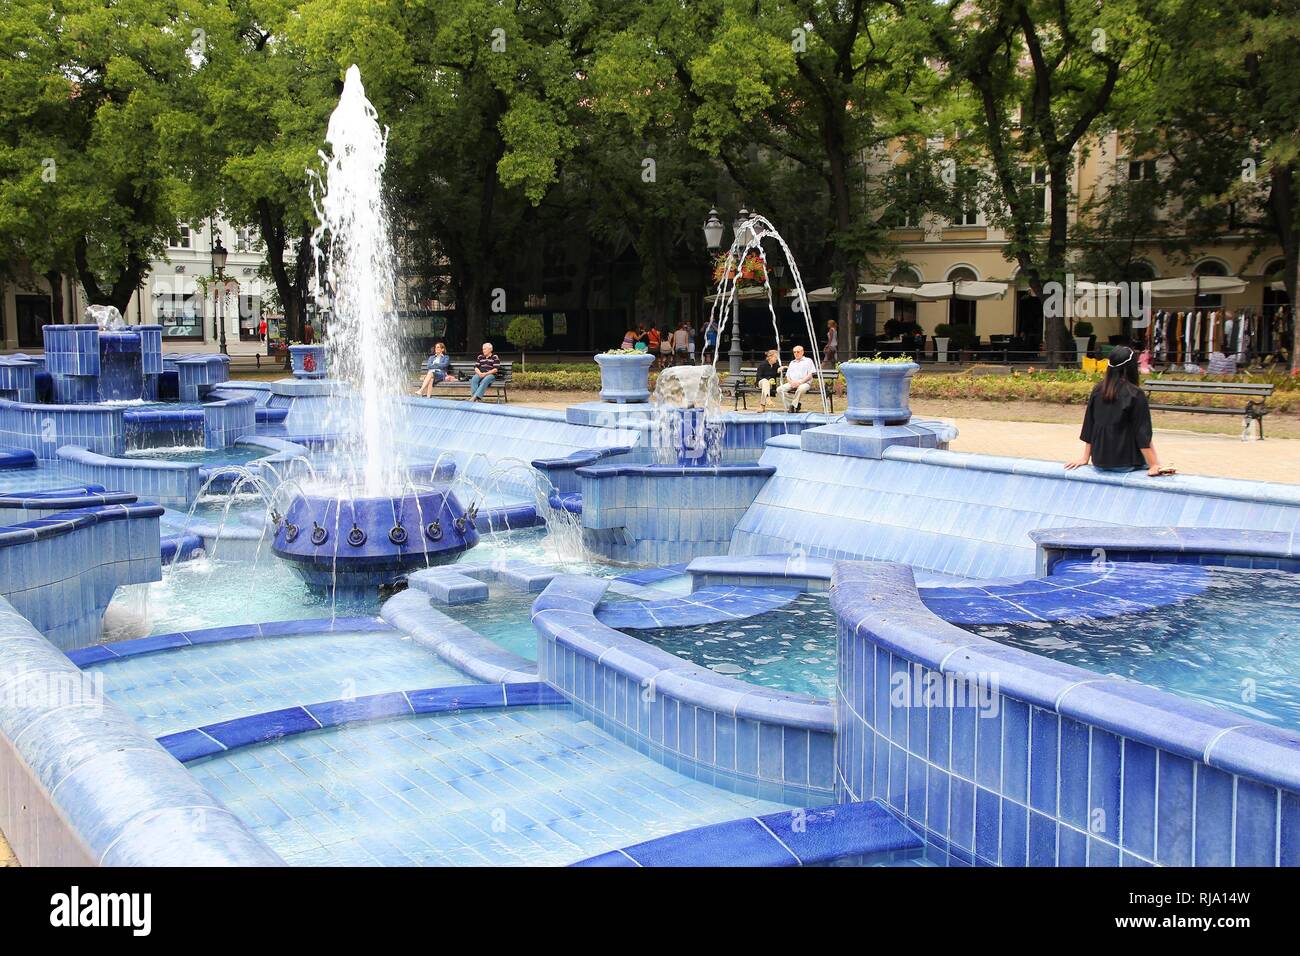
{"points": [[878, 392], [308, 361], [625, 378]]}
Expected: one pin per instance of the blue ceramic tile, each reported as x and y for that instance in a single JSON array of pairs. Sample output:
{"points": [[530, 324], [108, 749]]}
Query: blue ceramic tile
{"points": [[1174, 814], [1214, 797], [1073, 775], [1256, 828], [1139, 815], [1043, 764]]}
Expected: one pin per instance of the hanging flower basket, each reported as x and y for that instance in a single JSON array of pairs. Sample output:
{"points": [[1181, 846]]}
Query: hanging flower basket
{"points": [[751, 271]]}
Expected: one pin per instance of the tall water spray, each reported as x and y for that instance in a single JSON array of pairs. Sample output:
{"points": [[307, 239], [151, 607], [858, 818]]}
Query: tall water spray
{"points": [[354, 252]]}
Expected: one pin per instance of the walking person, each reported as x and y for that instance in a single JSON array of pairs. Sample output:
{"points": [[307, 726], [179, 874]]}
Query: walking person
{"points": [[665, 347], [1117, 432], [710, 341], [436, 368], [486, 367], [308, 333], [681, 339], [261, 330], [830, 353]]}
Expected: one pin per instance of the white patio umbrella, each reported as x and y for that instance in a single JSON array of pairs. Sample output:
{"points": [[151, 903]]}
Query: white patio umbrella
{"points": [[867, 292], [968, 289], [1195, 285]]}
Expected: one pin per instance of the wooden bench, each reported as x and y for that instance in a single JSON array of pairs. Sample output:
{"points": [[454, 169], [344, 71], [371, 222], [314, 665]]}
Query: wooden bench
{"points": [[740, 387], [460, 378], [1256, 394]]}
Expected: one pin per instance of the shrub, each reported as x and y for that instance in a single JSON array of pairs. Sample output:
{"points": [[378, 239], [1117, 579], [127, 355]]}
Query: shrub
{"points": [[525, 332]]}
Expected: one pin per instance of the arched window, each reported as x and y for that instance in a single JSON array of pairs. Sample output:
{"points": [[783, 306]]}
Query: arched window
{"points": [[961, 311], [1210, 267]]}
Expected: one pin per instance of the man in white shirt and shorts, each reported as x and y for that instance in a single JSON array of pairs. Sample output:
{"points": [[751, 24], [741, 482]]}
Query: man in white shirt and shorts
{"points": [[798, 378]]}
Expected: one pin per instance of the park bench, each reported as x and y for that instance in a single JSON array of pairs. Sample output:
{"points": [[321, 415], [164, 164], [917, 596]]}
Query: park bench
{"points": [[459, 380], [740, 387], [1256, 394]]}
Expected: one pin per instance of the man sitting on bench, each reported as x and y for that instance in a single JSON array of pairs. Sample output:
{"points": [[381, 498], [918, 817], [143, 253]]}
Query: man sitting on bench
{"points": [[798, 377], [486, 367]]}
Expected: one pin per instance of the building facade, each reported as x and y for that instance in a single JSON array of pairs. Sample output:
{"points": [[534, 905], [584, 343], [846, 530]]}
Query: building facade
{"points": [[178, 294]]}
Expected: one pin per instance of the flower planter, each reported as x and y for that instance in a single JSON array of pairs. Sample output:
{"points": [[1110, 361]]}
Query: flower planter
{"points": [[625, 378], [1081, 343], [941, 348], [878, 392]]}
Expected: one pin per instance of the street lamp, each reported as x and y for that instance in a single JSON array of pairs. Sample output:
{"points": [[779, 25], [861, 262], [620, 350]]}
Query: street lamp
{"points": [[713, 239], [219, 270]]}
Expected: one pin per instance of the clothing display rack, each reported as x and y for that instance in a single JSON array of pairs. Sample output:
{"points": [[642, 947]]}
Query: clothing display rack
{"points": [[1193, 339]]}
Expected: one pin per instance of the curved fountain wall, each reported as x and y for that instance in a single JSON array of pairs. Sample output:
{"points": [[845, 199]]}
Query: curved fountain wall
{"points": [[1002, 757], [956, 513], [84, 785]]}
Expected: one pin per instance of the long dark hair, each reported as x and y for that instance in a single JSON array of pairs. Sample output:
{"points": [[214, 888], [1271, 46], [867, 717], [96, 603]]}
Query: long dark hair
{"points": [[1121, 374]]}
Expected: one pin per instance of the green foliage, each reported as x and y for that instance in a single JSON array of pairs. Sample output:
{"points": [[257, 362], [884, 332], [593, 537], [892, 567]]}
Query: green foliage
{"points": [[99, 133], [526, 332], [1083, 329], [879, 359]]}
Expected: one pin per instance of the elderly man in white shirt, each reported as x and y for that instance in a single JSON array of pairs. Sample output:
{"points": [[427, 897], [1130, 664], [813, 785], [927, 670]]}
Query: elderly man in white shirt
{"points": [[798, 378]]}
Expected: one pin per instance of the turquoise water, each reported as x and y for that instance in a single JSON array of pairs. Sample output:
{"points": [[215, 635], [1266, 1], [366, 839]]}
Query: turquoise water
{"points": [[216, 592], [524, 787], [192, 686], [1236, 645], [233, 455], [793, 648]]}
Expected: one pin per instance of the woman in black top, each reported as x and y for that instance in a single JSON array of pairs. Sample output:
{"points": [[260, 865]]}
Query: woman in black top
{"points": [[768, 377], [1116, 431]]}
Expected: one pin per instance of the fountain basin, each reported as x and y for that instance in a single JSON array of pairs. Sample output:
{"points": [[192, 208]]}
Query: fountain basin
{"points": [[363, 542]]}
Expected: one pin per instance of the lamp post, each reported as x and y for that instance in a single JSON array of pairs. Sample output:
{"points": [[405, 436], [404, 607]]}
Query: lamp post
{"points": [[219, 270], [713, 239]]}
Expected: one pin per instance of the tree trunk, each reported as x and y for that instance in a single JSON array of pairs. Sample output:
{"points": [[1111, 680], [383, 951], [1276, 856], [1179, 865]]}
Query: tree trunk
{"points": [[844, 263], [55, 278], [124, 284]]}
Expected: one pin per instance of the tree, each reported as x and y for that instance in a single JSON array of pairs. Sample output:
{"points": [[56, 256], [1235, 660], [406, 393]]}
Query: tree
{"points": [[526, 332], [481, 99], [98, 126], [1041, 75], [811, 85], [266, 105]]}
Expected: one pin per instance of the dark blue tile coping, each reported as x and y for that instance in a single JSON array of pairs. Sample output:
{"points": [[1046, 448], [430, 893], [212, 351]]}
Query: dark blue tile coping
{"points": [[570, 502], [113, 650], [189, 545], [802, 837], [199, 742], [1153, 544], [651, 575], [71, 520], [1073, 589], [16, 458], [678, 471], [708, 605], [880, 601]]}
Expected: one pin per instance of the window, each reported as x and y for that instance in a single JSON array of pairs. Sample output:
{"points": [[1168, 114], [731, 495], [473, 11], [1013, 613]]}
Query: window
{"points": [[1035, 182], [966, 203], [247, 239], [1141, 170], [905, 212], [184, 238], [180, 315]]}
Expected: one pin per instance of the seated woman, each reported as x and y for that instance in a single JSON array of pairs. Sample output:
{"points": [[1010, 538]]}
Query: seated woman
{"points": [[436, 368], [767, 377], [486, 367], [1116, 431]]}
